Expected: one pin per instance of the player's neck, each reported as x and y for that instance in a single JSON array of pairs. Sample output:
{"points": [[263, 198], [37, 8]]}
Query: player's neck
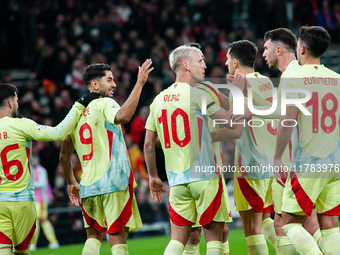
{"points": [[5, 112], [246, 70], [310, 61], [183, 77], [285, 61]]}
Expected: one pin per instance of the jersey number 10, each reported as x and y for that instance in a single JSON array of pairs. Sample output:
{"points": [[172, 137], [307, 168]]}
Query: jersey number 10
{"points": [[163, 119]]}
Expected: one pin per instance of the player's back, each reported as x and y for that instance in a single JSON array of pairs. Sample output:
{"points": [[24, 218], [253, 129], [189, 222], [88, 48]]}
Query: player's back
{"points": [[256, 146], [101, 149], [176, 116], [16, 179], [318, 133], [260, 128]]}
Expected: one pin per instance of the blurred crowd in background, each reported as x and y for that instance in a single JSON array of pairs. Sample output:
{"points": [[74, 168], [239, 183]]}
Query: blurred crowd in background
{"points": [[55, 40]]}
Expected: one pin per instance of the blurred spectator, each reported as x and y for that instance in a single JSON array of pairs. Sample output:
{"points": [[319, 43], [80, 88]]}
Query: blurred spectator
{"points": [[336, 11], [306, 11], [124, 11], [325, 16], [13, 26], [75, 78], [145, 208], [61, 68], [95, 41], [59, 110], [137, 128], [6, 78], [43, 196]]}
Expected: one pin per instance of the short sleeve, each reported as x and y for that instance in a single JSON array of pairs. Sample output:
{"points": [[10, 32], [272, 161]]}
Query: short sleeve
{"points": [[150, 122], [111, 108], [212, 101], [287, 83]]}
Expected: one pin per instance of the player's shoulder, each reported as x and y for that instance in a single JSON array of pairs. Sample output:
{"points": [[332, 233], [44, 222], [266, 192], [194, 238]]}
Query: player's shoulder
{"points": [[161, 95], [257, 78], [105, 101], [330, 72], [293, 67], [298, 73], [207, 85]]}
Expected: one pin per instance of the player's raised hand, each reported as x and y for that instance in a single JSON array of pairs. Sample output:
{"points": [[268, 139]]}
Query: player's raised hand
{"points": [[279, 172], [230, 78], [156, 188], [143, 72], [239, 80], [73, 191], [236, 117]]}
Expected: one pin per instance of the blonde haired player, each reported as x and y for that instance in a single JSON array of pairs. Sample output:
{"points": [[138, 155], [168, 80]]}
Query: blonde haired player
{"points": [[186, 143]]}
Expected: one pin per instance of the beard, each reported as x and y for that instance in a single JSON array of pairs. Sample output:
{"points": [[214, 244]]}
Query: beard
{"points": [[14, 113], [274, 64], [104, 92]]}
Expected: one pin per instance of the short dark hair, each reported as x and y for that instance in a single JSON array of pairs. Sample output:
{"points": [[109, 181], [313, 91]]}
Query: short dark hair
{"points": [[316, 39], [284, 36], [95, 71], [244, 51], [7, 91]]}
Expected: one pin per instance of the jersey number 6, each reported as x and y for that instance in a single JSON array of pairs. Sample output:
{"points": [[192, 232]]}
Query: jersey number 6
{"points": [[8, 164]]}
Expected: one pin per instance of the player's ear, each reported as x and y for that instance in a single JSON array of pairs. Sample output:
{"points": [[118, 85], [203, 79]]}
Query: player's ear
{"points": [[235, 62], [94, 85], [302, 49], [186, 65], [10, 103], [279, 50]]}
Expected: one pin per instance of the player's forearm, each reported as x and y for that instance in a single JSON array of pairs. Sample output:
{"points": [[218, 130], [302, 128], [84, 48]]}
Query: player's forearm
{"points": [[222, 118], [127, 110], [225, 134], [283, 137], [225, 101], [275, 115], [150, 159], [66, 167], [59, 132], [259, 101], [158, 143]]}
